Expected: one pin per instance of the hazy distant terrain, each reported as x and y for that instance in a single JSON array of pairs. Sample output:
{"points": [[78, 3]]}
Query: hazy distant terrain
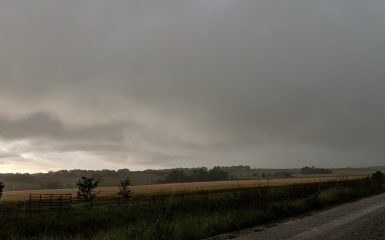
{"points": [[110, 178]]}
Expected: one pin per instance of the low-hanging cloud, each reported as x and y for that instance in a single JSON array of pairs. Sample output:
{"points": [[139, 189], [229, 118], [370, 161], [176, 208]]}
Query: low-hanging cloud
{"points": [[190, 83], [44, 125]]}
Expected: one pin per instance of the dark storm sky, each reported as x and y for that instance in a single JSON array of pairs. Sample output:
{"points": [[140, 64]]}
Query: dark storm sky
{"points": [[157, 84]]}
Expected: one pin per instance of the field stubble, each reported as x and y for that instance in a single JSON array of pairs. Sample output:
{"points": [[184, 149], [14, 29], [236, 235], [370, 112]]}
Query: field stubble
{"points": [[182, 187]]}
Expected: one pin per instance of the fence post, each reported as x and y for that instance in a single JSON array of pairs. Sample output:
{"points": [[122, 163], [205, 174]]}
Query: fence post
{"points": [[29, 202]]}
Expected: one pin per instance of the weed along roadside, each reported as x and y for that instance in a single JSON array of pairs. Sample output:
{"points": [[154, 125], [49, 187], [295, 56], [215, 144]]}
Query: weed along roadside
{"points": [[180, 215]]}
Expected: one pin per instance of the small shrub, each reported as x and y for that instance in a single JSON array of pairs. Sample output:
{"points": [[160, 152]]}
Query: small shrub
{"points": [[86, 186], [377, 179], [335, 195], [124, 188], [378, 176]]}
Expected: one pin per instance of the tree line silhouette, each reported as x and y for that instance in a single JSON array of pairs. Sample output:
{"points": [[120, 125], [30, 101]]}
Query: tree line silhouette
{"points": [[196, 175]]}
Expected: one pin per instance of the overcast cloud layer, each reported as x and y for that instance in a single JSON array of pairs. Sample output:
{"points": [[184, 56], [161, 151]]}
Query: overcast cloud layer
{"points": [[156, 84]]}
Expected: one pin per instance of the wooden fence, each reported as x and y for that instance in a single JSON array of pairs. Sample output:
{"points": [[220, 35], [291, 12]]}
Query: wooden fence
{"points": [[49, 201]]}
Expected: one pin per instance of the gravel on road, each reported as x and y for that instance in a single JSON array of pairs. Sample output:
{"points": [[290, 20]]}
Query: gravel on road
{"points": [[360, 220]]}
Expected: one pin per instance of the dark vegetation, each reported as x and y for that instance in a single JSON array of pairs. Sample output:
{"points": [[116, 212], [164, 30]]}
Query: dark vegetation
{"points": [[1, 189], [314, 170], [196, 175], [109, 178], [124, 188], [192, 215], [86, 186]]}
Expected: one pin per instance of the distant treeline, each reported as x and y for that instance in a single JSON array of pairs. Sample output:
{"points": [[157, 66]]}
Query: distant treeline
{"points": [[68, 178], [196, 175], [107, 178], [313, 170]]}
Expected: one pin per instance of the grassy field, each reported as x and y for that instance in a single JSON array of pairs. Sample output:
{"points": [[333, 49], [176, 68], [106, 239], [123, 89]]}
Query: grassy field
{"points": [[178, 214], [183, 187]]}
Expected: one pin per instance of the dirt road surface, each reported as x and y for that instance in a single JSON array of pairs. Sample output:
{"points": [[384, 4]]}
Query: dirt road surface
{"points": [[361, 220]]}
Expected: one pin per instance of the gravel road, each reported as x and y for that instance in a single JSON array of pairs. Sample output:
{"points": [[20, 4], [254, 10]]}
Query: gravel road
{"points": [[361, 220]]}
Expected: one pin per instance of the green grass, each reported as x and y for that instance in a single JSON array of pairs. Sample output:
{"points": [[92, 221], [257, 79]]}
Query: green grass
{"points": [[193, 215]]}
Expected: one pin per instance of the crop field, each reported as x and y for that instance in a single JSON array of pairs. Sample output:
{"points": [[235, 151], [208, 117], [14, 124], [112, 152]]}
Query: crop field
{"points": [[188, 211], [182, 187]]}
